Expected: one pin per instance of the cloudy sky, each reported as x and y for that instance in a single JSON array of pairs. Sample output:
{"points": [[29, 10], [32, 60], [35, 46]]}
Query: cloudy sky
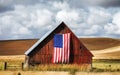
{"points": [[26, 19]]}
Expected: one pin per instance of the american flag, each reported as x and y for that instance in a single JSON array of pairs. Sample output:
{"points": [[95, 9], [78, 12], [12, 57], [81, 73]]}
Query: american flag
{"points": [[61, 48]]}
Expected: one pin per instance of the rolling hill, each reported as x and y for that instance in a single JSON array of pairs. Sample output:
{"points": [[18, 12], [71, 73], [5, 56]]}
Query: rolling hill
{"points": [[109, 53], [102, 48], [15, 47], [100, 43]]}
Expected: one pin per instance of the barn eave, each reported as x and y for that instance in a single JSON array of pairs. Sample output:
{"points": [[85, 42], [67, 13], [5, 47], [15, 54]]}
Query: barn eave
{"points": [[40, 40]]}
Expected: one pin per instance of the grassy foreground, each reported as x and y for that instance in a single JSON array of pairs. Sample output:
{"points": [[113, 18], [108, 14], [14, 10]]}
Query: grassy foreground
{"points": [[55, 73], [98, 66], [106, 67]]}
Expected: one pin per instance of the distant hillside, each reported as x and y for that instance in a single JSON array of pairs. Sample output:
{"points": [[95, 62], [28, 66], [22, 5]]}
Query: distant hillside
{"points": [[100, 43], [103, 48], [18, 47], [109, 53], [15, 47]]}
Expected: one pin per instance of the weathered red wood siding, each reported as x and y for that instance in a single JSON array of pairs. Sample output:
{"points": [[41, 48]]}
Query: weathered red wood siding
{"points": [[43, 53]]}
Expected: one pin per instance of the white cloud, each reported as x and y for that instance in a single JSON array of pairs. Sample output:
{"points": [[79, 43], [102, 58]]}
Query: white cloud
{"points": [[67, 15], [0, 31], [116, 18], [33, 20], [98, 16], [42, 18], [60, 5], [94, 29], [35, 17], [23, 20], [116, 21], [23, 31], [110, 29]]}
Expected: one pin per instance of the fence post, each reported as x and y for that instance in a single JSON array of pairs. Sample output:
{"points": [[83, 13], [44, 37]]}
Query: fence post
{"points": [[22, 66], [5, 65], [19, 73]]}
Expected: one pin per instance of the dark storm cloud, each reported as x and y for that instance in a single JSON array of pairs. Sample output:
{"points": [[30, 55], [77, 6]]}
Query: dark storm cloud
{"points": [[26, 2], [8, 5], [111, 3], [87, 3], [6, 8]]}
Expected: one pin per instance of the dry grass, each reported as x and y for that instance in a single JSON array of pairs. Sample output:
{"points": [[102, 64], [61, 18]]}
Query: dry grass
{"points": [[60, 67], [99, 68], [106, 67], [32, 73], [55, 73], [97, 73], [12, 58], [98, 65]]}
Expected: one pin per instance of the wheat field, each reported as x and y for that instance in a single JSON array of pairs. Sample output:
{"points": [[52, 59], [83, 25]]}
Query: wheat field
{"points": [[55, 73], [102, 48]]}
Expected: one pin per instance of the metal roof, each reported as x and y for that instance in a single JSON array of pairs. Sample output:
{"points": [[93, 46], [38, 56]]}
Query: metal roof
{"points": [[40, 40]]}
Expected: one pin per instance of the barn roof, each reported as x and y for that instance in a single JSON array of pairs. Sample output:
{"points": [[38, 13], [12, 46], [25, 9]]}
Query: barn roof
{"points": [[40, 40]]}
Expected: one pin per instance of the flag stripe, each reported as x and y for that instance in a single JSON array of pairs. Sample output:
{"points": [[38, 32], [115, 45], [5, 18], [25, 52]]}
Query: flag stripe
{"points": [[65, 47], [61, 55], [63, 52], [68, 46], [54, 55]]}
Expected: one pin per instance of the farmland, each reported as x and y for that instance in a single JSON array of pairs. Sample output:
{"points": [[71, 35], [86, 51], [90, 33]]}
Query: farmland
{"points": [[15, 47], [103, 48], [106, 58], [100, 43], [99, 65]]}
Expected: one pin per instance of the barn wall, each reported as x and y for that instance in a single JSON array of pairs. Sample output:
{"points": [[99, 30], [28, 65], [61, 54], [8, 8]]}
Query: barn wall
{"points": [[43, 53]]}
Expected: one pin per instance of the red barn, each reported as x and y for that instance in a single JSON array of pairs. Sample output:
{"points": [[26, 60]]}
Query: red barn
{"points": [[43, 50]]}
